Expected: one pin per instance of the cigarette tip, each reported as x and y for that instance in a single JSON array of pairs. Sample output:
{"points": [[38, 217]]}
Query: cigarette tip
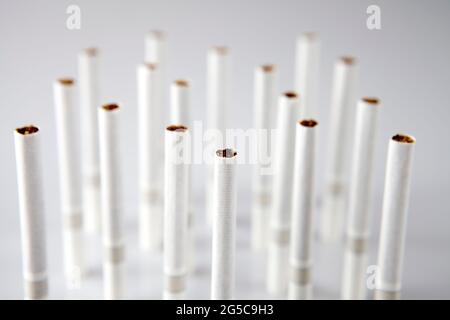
{"points": [[27, 130], [403, 138], [348, 60], [66, 81], [91, 52], [110, 106], [182, 82], [310, 123], [291, 94], [177, 128], [268, 67], [157, 34], [371, 100], [222, 50], [310, 35], [226, 153]]}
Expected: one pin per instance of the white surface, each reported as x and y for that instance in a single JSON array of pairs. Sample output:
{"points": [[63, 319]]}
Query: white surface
{"points": [[405, 63]]}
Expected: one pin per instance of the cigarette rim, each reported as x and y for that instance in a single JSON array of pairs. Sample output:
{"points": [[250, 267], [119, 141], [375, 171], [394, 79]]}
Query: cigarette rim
{"points": [[91, 51], [348, 60], [290, 94], [177, 128], [226, 153], [371, 100], [27, 130], [222, 50], [181, 82], [66, 81], [403, 138], [309, 123], [110, 106], [268, 67]]}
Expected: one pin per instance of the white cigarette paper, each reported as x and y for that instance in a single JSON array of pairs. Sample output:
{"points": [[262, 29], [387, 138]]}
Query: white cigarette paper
{"points": [[112, 225], [218, 103], [393, 221], [150, 139], [31, 204], [176, 211], [89, 100], [306, 71], [156, 50], [300, 284], [264, 104], [224, 226], [280, 218], [360, 199], [343, 106], [180, 102], [67, 130]]}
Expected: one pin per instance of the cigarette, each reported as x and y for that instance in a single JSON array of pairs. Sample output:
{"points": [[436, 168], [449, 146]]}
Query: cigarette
{"points": [[89, 100], [343, 106], [224, 225], [176, 211], [393, 221], [264, 105], [300, 285], [306, 71], [360, 199], [280, 217], [218, 103], [180, 93], [67, 117], [151, 163], [31, 204], [156, 49], [112, 226]]}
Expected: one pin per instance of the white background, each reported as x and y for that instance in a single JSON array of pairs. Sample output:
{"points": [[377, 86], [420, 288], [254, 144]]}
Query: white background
{"points": [[406, 64]]}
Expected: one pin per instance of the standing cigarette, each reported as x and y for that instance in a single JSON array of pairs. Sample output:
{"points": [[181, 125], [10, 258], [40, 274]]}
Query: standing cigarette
{"points": [[280, 219], [113, 242], [300, 286], [218, 98], [360, 198], [156, 50], [306, 71], [393, 221], [224, 225], [180, 94], [265, 100], [67, 117], [88, 74], [31, 203], [342, 112], [151, 137], [176, 211]]}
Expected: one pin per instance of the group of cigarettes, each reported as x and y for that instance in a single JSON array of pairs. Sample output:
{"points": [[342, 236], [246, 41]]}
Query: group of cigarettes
{"points": [[283, 204]]}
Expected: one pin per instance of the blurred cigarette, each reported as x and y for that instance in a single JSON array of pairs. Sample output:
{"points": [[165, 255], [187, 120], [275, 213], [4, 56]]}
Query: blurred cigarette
{"points": [[224, 226], [67, 130], [393, 221], [360, 199], [306, 71], [89, 100], [264, 105], [112, 224], [31, 204], [280, 219], [300, 285], [150, 138], [343, 106], [217, 104], [156, 50], [176, 211]]}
